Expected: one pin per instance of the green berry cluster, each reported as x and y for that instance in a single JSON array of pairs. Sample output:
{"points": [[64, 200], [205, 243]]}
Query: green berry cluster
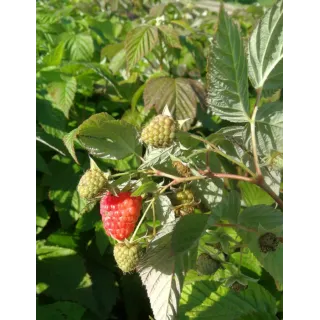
{"points": [[268, 242], [185, 198], [206, 265], [127, 256], [91, 184], [160, 132]]}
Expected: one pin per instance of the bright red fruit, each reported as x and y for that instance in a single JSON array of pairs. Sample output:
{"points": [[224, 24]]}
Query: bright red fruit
{"points": [[120, 214]]}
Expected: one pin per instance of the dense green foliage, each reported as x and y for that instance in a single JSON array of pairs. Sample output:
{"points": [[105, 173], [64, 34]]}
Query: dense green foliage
{"points": [[104, 70]]}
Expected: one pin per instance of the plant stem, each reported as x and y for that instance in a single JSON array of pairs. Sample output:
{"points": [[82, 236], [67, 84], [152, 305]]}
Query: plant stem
{"points": [[141, 220], [253, 134], [229, 176]]}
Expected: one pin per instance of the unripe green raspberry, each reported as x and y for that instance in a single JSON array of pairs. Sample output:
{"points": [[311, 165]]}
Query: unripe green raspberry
{"points": [[268, 242], [183, 170], [127, 256], [207, 265], [160, 132], [91, 184], [185, 198]]}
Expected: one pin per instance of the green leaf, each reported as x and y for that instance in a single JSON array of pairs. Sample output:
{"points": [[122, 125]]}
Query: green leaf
{"points": [[170, 36], [52, 121], [139, 42], [54, 58], [107, 138], [111, 50], [162, 274], [266, 50], [60, 310], [102, 239], [227, 75], [42, 217], [177, 93], [254, 195], [206, 300], [269, 129], [80, 47], [62, 94], [188, 231], [146, 187], [63, 183], [261, 215], [247, 260], [68, 141], [41, 164], [118, 61]]}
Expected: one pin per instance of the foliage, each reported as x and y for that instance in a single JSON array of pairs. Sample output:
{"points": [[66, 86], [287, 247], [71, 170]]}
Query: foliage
{"points": [[104, 70]]}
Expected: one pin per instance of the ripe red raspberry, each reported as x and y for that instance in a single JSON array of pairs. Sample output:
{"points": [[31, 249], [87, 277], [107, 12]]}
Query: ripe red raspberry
{"points": [[120, 214]]}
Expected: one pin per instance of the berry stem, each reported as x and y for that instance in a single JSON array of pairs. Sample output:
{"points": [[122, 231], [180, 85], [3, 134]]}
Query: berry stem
{"points": [[253, 134], [141, 220]]}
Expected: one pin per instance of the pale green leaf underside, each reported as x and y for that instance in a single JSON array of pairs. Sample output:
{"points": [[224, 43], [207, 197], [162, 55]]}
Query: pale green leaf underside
{"points": [[161, 273], [265, 60], [269, 129], [205, 300], [139, 42], [227, 75]]}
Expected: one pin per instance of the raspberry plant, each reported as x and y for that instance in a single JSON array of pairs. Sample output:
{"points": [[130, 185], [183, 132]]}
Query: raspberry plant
{"points": [[170, 125]]}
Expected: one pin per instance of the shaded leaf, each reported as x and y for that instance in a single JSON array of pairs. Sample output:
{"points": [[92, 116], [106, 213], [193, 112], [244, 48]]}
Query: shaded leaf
{"points": [[63, 193], [60, 310], [42, 217], [188, 231]]}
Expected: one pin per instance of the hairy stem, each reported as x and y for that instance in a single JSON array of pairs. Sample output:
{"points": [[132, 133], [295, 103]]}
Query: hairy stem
{"points": [[253, 134], [142, 218]]}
